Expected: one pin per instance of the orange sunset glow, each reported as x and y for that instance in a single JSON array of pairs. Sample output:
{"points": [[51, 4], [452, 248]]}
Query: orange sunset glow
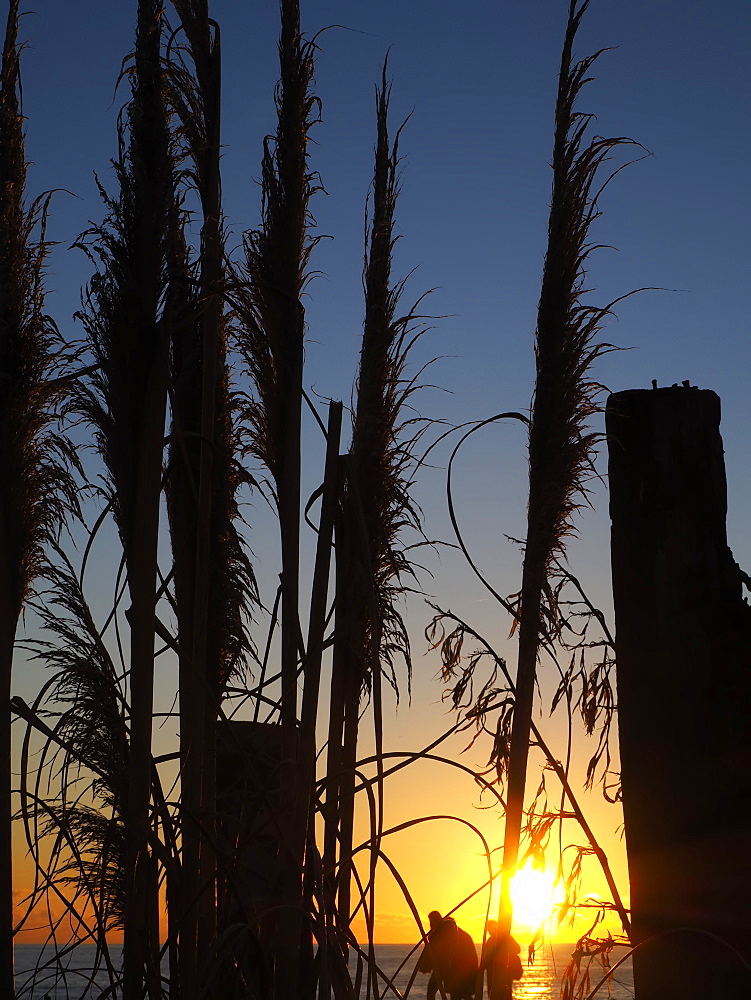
{"points": [[534, 896], [442, 863]]}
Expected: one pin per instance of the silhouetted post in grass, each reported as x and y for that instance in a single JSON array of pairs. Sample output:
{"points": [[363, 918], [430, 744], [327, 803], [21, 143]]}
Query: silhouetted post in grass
{"points": [[250, 799], [684, 694]]}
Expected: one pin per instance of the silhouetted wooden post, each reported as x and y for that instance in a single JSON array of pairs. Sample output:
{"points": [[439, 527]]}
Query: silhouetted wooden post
{"points": [[252, 820], [683, 646]]}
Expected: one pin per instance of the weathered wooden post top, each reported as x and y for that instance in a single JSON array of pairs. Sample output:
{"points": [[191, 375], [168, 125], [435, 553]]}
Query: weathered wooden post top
{"points": [[683, 651]]}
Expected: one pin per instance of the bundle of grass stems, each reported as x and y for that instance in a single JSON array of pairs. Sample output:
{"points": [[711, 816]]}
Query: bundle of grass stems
{"points": [[190, 381]]}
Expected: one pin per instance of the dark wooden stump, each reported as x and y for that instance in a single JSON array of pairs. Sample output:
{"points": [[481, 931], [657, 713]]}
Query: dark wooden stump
{"points": [[683, 646], [249, 826]]}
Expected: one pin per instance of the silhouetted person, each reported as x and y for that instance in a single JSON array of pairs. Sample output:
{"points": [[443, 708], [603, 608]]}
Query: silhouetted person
{"points": [[450, 957], [500, 962]]}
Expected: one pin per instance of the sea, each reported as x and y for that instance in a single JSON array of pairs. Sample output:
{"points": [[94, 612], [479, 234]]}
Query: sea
{"points": [[71, 979]]}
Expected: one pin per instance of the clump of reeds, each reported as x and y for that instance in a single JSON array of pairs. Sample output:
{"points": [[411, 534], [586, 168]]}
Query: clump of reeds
{"points": [[37, 492]]}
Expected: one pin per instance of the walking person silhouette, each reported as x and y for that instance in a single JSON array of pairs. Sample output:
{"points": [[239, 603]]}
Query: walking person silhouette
{"points": [[500, 962], [451, 959]]}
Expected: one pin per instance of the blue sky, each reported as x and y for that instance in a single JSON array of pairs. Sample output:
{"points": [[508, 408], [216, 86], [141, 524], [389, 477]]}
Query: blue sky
{"points": [[479, 81]]}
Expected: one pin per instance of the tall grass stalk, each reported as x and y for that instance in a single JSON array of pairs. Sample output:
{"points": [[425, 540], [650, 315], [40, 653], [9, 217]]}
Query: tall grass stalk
{"points": [[36, 489], [214, 583], [560, 445], [376, 507], [272, 325], [273, 318], [126, 314], [189, 494], [307, 755]]}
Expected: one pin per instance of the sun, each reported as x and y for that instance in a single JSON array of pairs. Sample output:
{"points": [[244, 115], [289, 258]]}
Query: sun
{"points": [[533, 896]]}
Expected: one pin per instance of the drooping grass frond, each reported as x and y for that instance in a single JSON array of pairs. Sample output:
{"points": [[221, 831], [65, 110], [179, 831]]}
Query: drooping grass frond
{"points": [[97, 870], [499, 698], [81, 714], [93, 726]]}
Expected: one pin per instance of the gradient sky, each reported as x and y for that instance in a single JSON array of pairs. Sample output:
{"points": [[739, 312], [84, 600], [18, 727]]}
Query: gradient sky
{"points": [[479, 81]]}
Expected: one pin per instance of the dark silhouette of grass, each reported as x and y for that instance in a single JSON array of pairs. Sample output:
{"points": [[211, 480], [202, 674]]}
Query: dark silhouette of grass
{"points": [[127, 310], [560, 443], [162, 319], [37, 492]]}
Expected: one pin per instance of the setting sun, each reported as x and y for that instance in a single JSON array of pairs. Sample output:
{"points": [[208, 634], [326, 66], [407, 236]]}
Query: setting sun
{"points": [[533, 896]]}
